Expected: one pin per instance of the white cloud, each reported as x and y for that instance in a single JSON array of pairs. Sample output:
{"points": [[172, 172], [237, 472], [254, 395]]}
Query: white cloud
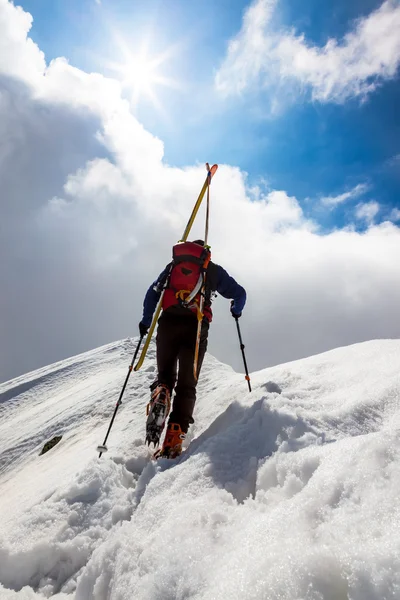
{"points": [[352, 67], [395, 215], [90, 211], [367, 211], [19, 55], [355, 192]]}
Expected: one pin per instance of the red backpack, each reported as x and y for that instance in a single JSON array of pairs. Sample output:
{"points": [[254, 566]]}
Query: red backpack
{"points": [[189, 268]]}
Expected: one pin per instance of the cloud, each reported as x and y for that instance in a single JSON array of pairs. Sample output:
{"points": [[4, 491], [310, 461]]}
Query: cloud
{"points": [[90, 211], [395, 215], [367, 211], [333, 201], [19, 55], [352, 67]]}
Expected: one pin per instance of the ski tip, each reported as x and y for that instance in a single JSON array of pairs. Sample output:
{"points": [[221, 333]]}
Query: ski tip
{"points": [[102, 449], [211, 170]]}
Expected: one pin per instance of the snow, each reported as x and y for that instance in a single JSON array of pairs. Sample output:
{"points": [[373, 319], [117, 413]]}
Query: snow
{"points": [[288, 492]]}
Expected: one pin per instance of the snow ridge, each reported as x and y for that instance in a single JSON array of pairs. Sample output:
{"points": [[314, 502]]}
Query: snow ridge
{"points": [[289, 492]]}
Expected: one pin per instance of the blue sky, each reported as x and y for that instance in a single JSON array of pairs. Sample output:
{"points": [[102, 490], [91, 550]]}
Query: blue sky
{"points": [[297, 103], [310, 148]]}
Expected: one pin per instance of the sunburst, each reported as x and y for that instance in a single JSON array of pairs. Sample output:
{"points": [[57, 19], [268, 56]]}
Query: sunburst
{"points": [[140, 72]]}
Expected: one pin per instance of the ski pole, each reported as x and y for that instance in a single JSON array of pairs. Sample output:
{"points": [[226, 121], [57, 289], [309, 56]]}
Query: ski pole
{"points": [[103, 447], [242, 346]]}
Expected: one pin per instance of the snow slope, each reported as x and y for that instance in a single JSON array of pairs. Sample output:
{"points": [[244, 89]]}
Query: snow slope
{"points": [[290, 492]]}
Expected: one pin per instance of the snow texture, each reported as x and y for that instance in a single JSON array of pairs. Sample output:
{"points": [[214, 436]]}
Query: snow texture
{"points": [[290, 492]]}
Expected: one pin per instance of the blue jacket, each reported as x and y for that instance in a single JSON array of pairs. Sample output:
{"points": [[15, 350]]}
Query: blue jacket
{"points": [[220, 282]]}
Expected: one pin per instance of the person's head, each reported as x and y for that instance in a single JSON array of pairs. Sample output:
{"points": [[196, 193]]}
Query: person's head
{"points": [[199, 242]]}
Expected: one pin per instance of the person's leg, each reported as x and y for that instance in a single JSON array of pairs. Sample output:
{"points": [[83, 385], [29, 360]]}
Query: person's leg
{"points": [[161, 389], [167, 343], [185, 391]]}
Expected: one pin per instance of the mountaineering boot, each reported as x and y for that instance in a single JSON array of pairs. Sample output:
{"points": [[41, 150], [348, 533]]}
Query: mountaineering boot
{"points": [[172, 446], [157, 412]]}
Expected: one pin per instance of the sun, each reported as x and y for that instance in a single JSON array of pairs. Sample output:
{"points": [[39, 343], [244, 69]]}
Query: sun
{"points": [[140, 73]]}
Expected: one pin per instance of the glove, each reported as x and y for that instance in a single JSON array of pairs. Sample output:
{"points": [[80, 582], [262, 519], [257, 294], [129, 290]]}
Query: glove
{"points": [[143, 329], [234, 314]]}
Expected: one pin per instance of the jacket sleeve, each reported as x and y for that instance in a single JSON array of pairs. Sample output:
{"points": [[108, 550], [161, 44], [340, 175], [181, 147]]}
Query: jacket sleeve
{"points": [[229, 288], [153, 295]]}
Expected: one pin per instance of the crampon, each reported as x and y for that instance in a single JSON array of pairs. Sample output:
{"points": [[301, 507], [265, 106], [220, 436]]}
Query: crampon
{"points": [[157, 412], [172, 446]]}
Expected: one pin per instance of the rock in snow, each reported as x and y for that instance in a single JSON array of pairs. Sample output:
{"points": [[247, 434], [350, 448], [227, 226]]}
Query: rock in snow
{"points": [[290, 492]]}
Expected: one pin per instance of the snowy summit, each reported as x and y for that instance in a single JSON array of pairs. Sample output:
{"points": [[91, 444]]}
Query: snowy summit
{"points": [[289, 492]]}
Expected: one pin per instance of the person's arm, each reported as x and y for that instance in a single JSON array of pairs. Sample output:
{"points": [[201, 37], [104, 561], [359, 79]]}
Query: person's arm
{"points": [[153, 296], [230, 289]]}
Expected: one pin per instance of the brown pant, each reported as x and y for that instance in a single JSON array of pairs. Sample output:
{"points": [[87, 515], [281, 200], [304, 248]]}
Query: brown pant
{"points": [[176, 342]]}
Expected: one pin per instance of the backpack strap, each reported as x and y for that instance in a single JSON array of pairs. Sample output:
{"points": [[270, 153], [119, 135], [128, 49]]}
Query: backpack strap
{"points": [[187, 300]]}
